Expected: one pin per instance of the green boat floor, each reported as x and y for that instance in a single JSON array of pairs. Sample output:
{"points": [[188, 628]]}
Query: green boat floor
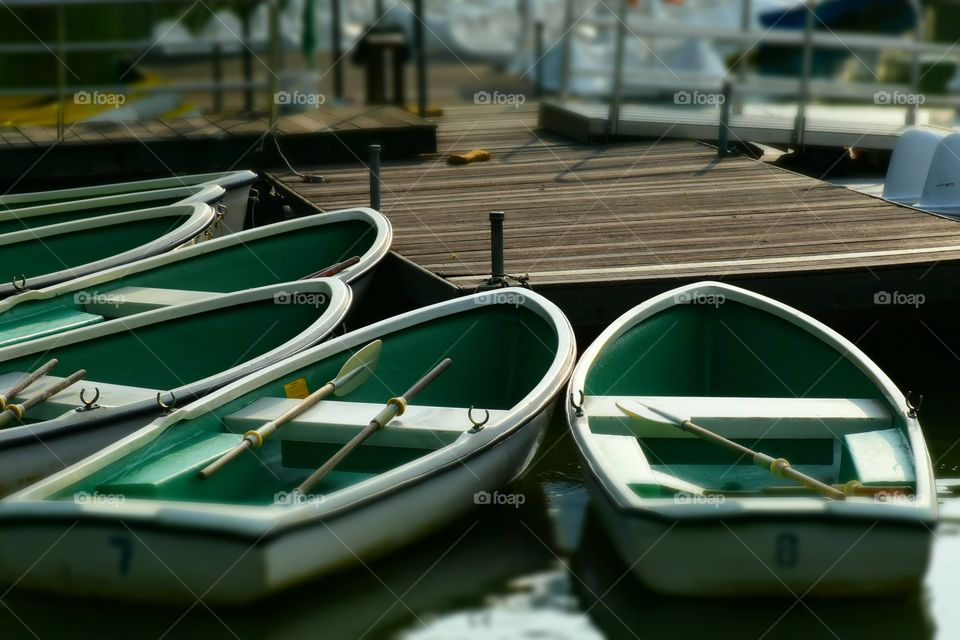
{"points": [[45, 324], [746, 477]]}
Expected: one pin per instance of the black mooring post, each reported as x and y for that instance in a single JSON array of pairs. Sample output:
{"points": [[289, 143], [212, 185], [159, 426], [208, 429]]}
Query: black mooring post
{"points": [[374, 150], [337, 54], [419, 45], [723, 143], [497, 271]]}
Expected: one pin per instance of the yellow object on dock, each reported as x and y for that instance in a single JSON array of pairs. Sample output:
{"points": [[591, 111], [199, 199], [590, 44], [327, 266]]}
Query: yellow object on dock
{"points": [[477, 155]]}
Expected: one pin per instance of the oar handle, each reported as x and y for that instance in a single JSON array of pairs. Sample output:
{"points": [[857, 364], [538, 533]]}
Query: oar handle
{"points": [[418, 386], [18, 410], [225, 459], [25, 382], [333, 270], [395, 407]]}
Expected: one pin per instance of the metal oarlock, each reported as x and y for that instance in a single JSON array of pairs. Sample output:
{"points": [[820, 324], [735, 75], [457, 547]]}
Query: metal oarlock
{"points": [[374, 150], [89, 405], [477, 424]]}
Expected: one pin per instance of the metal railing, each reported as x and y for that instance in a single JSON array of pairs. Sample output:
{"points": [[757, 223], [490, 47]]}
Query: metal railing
{"points": [[738, 83]]}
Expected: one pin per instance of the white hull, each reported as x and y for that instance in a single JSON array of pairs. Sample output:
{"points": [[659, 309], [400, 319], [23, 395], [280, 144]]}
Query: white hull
{"points": [[700, 543], [769, 556], [156, 550], [34, 451]]}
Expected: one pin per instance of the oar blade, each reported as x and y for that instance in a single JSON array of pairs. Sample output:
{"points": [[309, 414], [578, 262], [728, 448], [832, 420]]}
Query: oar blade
{"points": [[368, 357], [641, 411]]}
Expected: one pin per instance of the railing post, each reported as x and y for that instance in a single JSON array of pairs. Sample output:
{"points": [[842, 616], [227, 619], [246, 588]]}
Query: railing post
{"points": [[374, 151], [247, 62], [274, 63], [217, 63], [418, 37], [336, 52], [911, 117], [565, 67], [800, 125], [746, 16], [61, 69], [538, 57], [613, 119]]}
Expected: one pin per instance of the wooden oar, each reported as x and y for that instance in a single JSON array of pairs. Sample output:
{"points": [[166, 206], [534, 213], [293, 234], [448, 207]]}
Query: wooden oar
{"points": [[16, 411], [25, 382], [333, 269], [779, 467], [394, 408], [357, 370]]}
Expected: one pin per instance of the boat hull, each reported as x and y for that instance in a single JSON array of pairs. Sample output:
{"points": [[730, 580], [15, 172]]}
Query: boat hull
{"points": [[126, 560], [771, 556]]}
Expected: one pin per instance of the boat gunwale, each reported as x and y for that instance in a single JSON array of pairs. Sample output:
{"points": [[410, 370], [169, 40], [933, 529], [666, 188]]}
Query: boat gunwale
{"points": [[368, 261], [265, 522], [206, 193], [921, 507], [199, 217], [340, 299], [227, 179]]}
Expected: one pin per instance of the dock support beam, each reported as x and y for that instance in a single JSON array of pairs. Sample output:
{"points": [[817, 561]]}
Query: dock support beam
{"points": [[374, 176]]}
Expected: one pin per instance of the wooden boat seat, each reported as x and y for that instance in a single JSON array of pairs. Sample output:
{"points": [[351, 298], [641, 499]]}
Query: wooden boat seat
{"points": [[127, 301], [46, 324], [796, 418], [336, 422], [69, 398]]}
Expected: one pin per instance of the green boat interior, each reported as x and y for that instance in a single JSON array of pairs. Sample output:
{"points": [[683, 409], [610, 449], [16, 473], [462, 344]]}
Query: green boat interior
{"points": [[20, 220], [499, 354], [752, 377], [273, 259], [133, 364], [34, 256]]}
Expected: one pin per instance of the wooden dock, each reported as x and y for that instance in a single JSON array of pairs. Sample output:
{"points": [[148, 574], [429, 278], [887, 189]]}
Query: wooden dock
{"points": [[600, 227], [209, 143]]}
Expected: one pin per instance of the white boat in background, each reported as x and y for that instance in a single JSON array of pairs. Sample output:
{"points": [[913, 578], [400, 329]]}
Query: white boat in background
{"points": [[923, 174]]}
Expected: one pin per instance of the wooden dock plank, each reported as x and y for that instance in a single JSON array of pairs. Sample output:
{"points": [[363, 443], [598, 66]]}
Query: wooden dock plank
{"points": [[643, 210]]}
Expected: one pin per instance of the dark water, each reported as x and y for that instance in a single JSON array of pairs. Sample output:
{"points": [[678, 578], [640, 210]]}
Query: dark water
{"points": [[546, 570]]}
